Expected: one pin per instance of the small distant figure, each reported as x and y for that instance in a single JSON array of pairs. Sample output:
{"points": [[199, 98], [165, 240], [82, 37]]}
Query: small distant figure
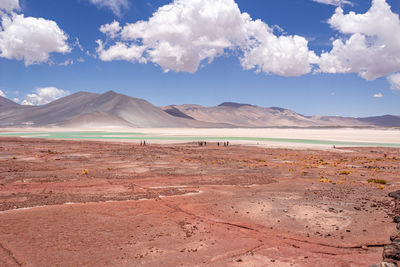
{"points": [[224, 143], [217, 143], [334, 146], [144, 142], [205, 143], [227, 143]]}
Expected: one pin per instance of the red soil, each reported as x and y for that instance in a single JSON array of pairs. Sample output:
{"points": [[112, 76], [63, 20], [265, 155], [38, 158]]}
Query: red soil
{"points": [[171, 205]]}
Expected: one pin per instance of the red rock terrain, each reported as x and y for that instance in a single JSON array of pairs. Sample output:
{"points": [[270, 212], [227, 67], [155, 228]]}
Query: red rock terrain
{"points": [[87, 203]]}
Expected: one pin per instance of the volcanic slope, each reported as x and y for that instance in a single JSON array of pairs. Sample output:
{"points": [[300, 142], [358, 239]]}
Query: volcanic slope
{"points": [[89, 109], [5, 102], [245, 115]]}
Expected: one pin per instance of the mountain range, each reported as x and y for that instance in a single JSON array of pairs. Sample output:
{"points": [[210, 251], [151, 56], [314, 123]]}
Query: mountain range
{"points": [[113, 110]]}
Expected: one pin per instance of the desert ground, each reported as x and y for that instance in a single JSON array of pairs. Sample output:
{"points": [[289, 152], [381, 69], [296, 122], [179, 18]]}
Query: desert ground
{"points": [[95, 203]]}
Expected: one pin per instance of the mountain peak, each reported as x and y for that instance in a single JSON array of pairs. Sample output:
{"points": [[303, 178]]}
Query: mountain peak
{"points": [[232, 104], [110, 93]]}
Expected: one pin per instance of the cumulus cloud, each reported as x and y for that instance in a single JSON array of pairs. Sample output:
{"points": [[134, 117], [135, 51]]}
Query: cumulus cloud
{"points": [[30, 39], [27, 38], [394, 81], [181, 35], [121, 51], [116, 6], [111, 30], [2, 94], [334, 2], [379, 95], [373, 47], [44, 95], [9, 5], [283, 55]]}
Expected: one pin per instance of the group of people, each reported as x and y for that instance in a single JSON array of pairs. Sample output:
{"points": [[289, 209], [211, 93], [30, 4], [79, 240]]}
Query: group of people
{"points": [[204, 143], [200, 143], [225, 143]]}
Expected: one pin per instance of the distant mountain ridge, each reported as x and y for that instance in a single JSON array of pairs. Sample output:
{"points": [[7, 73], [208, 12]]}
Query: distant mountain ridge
{"points": [[113, 110], [246, 115], [232, 104], [383, 121]]}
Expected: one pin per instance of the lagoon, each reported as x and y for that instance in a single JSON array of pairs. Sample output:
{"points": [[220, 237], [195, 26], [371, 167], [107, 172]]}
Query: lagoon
{"points": [[284, 137]]}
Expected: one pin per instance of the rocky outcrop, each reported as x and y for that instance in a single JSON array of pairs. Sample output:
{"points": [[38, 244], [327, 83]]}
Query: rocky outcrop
{"points": [[384, 264], [391, 252]]}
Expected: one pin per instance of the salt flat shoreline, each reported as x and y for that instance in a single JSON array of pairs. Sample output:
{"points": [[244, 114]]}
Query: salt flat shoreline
{"points": [[364, 135]]}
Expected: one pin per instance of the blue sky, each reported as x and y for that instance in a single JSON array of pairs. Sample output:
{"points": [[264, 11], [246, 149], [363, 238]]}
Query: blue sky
{"points": [[358, 82]]}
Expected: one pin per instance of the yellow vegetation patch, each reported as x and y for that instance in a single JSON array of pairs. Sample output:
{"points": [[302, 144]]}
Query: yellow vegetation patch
{"points": [[325, 180], [376, 181]]}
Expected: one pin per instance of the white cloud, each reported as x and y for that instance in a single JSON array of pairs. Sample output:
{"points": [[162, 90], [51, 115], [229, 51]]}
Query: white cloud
{"points": [[283, 55], [121, 51], [334, 2], [16, 100], [373, 48], [116, 6], [9, 5], [180, 35], [394, 81], [379, 95], [112, 29], [30, 39], [2, 94], [44, 95]]}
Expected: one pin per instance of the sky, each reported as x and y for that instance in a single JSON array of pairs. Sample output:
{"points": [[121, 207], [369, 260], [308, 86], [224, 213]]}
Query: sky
{"points": [[315, 57]]}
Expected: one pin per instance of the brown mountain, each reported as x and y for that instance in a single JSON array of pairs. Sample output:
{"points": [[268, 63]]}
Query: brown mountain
{"points": [[383, 121], [245, 115], [90, 110], [95, 110]]}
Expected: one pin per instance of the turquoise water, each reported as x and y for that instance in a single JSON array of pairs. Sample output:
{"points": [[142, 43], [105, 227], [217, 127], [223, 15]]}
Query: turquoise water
{"points": [[140, 136]]}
